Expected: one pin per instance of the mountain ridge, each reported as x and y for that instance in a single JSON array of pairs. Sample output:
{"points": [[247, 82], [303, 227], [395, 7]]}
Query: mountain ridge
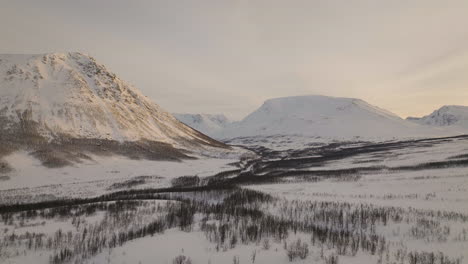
{"points": [[325, 117], [208, 124], [455, 116], [58, 99]]}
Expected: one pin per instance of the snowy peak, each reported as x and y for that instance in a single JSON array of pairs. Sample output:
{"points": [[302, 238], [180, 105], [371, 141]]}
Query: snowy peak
{"points": [[208, 124], [447, 116], [324, 117], [318, 107], [70, 95]]}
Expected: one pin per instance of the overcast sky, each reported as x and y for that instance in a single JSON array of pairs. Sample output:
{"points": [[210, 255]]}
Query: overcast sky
{"points": [[409, 57]]}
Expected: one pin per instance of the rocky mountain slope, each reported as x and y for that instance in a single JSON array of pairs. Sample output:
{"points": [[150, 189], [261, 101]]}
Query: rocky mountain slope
{"points": [[70, 100], [449, 116], [325, 117], [206, 123]]}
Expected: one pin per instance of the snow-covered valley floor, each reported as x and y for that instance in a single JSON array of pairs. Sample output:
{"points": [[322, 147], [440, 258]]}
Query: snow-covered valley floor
{"points": [[30, 181], [339, 202]]}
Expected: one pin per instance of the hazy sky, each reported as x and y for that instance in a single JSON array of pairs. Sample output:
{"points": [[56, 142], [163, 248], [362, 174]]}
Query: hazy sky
{"points": [[409, 57]]}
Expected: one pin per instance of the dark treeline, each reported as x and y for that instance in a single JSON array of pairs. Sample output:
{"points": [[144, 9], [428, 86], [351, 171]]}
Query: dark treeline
{"points": [[275, 166], [115, 196]]}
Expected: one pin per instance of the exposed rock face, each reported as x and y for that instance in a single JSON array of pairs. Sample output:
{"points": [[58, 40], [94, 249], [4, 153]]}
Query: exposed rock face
{"points": [[53, 100]]}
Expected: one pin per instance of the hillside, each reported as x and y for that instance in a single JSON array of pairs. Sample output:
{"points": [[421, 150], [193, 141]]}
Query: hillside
{"points": [[449, 116], [62, 106], [325, 117], [206, 123]]}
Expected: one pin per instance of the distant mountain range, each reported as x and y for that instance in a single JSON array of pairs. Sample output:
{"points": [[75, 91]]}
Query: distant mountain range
{"points": [[206, 123], [328, 118]]}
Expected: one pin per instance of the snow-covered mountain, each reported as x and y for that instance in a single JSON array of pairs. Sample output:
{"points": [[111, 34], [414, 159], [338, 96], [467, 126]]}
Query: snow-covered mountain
{"points": [[453, 116], [206, 123], [58, 98], [325, 117]]}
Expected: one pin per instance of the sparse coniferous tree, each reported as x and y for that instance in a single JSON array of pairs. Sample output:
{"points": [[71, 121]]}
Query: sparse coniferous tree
{"points": [[254, 256], [266, 244], [181, 259]]}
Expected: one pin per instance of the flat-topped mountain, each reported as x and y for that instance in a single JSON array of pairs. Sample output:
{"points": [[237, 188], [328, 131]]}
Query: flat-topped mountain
{"points": [[326, 117]]}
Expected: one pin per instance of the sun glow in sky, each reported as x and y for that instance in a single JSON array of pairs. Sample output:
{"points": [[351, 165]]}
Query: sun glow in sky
{"points": [[409, 57]]}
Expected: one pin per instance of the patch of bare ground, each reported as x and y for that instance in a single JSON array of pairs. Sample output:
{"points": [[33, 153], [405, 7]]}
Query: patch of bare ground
{"points": [[5, 167], [66, 152]]}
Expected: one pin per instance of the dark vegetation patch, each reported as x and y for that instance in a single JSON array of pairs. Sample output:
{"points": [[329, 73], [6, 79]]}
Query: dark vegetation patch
{"points": [[220, 177], [67, 152], [5, 167], [434, 165], [54, 158], [140, 194], [150, 150], [4, 178], [336, 151], [5, 149], [298, 163], [133, 182], [338, 174], [367, 161], [185, 181], [462, 156]]}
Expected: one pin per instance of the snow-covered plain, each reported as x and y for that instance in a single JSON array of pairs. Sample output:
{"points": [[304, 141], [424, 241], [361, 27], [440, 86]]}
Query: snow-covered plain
{"points": [[416, 195], [30, 180]]}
